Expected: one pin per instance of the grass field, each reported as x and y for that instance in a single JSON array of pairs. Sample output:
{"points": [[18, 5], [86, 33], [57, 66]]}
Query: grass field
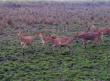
{"points": [[47, 63], [39, 63]]}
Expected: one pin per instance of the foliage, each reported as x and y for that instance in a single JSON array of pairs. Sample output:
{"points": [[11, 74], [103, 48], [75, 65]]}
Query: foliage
{"points": [[46, 63]]}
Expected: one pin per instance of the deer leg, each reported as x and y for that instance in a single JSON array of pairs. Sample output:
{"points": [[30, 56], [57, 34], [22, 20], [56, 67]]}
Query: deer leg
{"points": [[97, 41], [70, 49], [23, 44], [102, 38], [85, 43]]}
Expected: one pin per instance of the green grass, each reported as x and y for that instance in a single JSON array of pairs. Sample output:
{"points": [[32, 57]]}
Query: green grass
{"points": [[44, 63]]}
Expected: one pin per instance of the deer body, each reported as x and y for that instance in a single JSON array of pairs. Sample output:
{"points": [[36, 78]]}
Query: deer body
{"points": [[95, 37], [64, 41], [104, 31], [25, 40]]}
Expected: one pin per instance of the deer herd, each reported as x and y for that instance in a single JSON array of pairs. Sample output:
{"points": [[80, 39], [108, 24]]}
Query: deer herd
{"points": [[93, 34]]}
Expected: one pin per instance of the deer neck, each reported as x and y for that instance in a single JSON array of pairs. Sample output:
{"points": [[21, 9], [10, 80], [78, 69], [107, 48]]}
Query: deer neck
{"points": [[20, 36], [42, 38]]}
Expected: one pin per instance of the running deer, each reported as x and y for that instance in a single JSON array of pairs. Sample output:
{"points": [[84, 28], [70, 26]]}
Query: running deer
{"points": [[95, 37], [45, 39], [103, 31], [25, 40]]}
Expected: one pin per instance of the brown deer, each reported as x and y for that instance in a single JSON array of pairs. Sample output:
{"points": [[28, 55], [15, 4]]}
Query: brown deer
{"points": [[26, 40], [95, 37], [45, 38]]}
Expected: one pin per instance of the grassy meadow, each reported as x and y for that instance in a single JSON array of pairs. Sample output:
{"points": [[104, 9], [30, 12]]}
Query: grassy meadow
{"points": [[47, 63]]}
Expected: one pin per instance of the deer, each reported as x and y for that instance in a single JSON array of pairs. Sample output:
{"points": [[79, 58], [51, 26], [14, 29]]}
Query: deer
{"points": [[104, 31], [95, 37], [57, 41], [63, 42], [25, 40], [45, 39]]}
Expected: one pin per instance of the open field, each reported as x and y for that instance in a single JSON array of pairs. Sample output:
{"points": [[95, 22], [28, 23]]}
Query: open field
{"points": [[47, 63]]}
